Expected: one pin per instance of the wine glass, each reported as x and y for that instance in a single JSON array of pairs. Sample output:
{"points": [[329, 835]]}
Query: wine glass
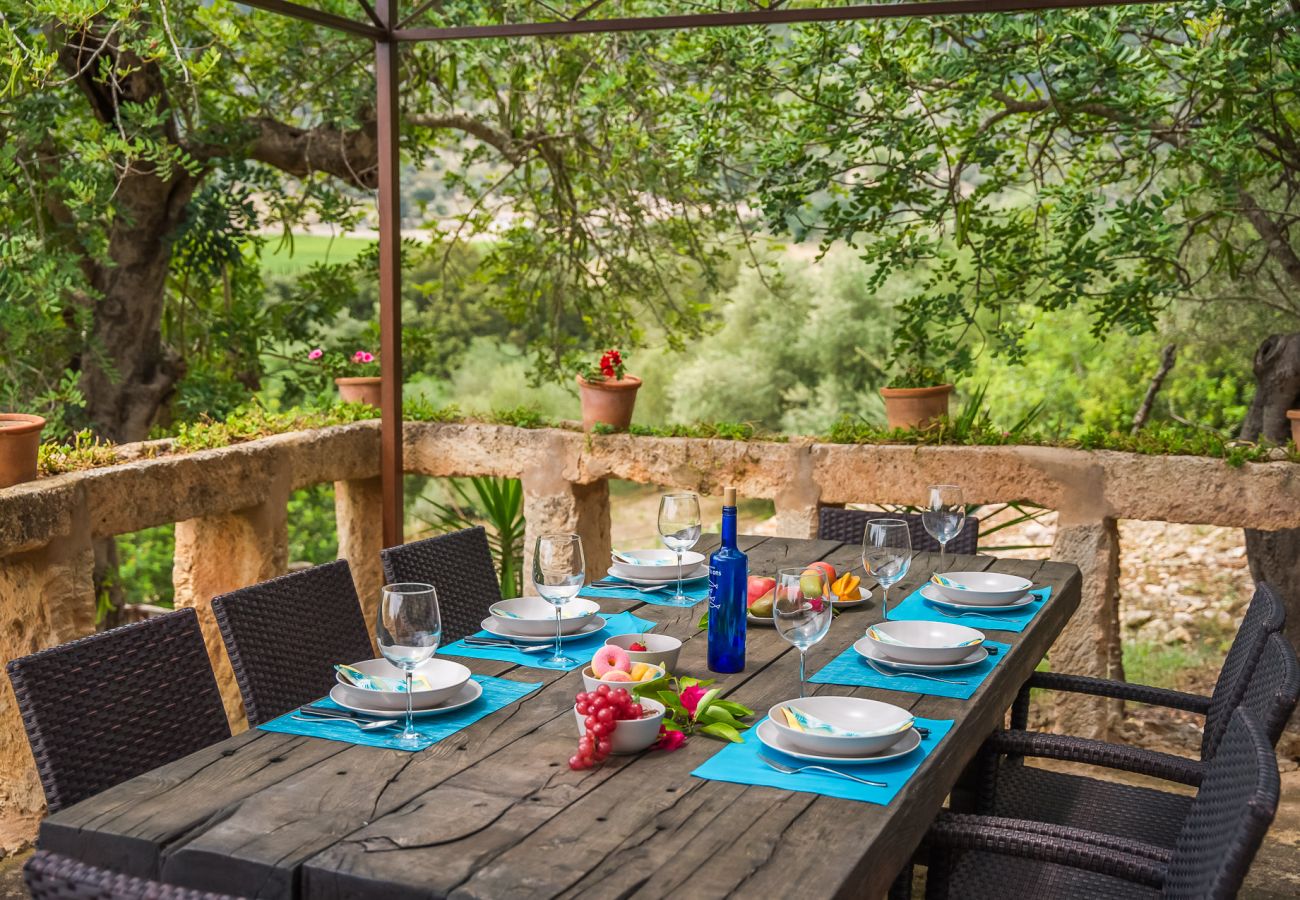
{"points": [[559, 571], [679, 526], [944, 515], [802, 610], [886, 554], [408, 629]]}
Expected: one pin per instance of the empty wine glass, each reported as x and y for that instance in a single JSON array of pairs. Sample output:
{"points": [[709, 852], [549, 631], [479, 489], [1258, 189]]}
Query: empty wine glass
{"points": [[679, 526], [944, 515], [408, 630], [886, 554], [801, 610], [559, 571]]}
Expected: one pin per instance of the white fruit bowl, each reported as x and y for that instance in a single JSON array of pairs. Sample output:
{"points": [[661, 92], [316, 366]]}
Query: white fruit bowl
{"points": [[591, 682], [445, 677], [631, 736], [661, 649], [875, 725], [534, 617], [987, 588], [928, 643]]}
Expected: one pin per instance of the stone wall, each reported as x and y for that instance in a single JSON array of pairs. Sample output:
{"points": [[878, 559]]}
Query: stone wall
{"points": [[229, 507]]}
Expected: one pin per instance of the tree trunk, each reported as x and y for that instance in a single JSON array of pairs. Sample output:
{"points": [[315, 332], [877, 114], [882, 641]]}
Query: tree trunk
{"points": [[1275, 555]]}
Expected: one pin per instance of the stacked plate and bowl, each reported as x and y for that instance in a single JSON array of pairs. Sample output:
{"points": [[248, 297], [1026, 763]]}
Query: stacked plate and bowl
{"points": [[978, 591], [442, 686], [841, 730], [916, 646], [656, 568], [531, 620]]}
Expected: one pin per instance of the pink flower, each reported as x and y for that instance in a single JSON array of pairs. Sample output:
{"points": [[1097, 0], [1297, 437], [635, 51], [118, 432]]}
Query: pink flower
{"points": [[669, 740], [359, 356], [367, 357], [691, 698], [316, 354]]}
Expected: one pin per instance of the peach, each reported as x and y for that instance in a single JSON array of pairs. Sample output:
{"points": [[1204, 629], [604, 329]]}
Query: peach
{"points": [[616, 675], [610, 659]]}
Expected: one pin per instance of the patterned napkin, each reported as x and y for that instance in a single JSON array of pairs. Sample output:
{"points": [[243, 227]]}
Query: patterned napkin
{"points": [[497, 693], [697, 591], [917, 607], [740, 764], [581, 649], [850, 668]]}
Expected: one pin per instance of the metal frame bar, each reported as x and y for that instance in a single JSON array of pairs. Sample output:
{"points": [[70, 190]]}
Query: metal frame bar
{"points": [[317, 17]]}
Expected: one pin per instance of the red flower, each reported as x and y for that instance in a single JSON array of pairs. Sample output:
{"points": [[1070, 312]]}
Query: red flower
{"points": [[691, 698], [669, 740]]}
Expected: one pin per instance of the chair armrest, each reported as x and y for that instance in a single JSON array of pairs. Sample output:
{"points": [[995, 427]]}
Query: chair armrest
{"points": [[1075, 847], [1103, 687], [1098, 753]]}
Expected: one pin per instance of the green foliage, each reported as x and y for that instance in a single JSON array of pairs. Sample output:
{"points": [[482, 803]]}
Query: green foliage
{"points": [[145, 564], [252, 422], [83, 451], [497, 503], [313, 531]]}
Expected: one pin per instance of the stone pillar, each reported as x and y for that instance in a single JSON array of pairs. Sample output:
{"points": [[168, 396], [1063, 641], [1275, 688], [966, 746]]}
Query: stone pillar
{"points": [[797, 500], [49, 599], [1090, 643], [216, 554], [358, 510], [553, 504]]}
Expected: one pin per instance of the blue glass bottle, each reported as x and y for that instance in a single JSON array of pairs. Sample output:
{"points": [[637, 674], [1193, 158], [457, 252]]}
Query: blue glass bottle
{"points": [[728, 580]]}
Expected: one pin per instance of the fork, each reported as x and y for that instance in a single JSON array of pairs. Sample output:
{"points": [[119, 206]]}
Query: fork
{"points": [[507, 645], [912, 675], [364, 726], [791, 770], [632, 587]]}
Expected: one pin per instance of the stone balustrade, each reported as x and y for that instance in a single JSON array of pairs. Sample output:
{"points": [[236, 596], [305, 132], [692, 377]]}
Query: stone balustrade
{"points": [[229, 506]]}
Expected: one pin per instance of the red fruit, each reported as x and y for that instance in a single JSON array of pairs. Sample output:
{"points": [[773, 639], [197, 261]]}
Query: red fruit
{"points": [[638, 647], [604, 746], [583, 709], [576, 763], [620, 695], [600, 729], [604, 690], [758, 586], [636, 711], [825, 567], [591, 721], [606, 715]]}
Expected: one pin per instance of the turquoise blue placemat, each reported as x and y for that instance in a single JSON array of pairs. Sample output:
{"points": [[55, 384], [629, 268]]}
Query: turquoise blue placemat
{"points": [[917, 607], [497, 692], [581, 649], [850, 668], [697, 592], [739, 764]]}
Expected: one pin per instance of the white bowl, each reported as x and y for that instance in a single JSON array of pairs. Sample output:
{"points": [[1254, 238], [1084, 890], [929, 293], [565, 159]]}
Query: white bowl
{"points": [[631, 736], [445, 677], [657, 565], [929, 643], [875, 725], [988, 588], [661, 649], [535, 617], [591, 682]]}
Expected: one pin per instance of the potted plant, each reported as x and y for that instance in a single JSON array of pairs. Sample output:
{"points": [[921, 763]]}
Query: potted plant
{"points": [[608, 393], [916, 398], [20, 440], [357, 376]]}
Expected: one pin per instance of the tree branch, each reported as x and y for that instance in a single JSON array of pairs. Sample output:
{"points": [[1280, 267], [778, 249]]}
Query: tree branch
{"points": [[352, 156]]}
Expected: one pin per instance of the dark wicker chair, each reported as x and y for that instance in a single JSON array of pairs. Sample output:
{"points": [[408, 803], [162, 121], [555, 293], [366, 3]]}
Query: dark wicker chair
{"points": [[111, 706], [975, 857], [849, 525], [53, 877], [285, 635], [460, 566], [1156, 817]]}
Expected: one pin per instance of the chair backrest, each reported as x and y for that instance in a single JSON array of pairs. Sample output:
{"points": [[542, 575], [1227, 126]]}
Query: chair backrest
{"points": [[849, 525], [103, 709], [285, 635], [1227, 820], [1274, 686], [1265, 615], [50, 876], [460, 566]]}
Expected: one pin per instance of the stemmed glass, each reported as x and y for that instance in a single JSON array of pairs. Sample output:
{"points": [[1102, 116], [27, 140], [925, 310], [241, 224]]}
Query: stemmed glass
{"points": [[559, 571], [802, 610], [886, 554], [944, 515], [408, 629], [679, 526]]}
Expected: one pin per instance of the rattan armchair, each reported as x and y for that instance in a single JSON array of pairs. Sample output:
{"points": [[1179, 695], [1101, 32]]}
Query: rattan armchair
{"points": [[50, 876], [460, 566], [849, 525], [976, 857], [285, 635], [103, 709]]}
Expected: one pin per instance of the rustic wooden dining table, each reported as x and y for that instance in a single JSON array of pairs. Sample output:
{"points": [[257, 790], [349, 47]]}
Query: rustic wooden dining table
{"points": [[494, 811]]}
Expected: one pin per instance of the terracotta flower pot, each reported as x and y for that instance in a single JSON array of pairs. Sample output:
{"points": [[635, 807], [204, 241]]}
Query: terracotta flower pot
{"points": [[915, 407], [20, 437], [1294, 416], [608, 401], [360, 390]]}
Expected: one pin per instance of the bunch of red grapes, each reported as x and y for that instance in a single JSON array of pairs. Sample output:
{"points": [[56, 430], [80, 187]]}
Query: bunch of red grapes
{"points": [[603, 708]]}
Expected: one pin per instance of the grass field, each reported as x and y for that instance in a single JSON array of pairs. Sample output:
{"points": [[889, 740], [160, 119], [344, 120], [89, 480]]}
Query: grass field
{"points": [[282, 258]]}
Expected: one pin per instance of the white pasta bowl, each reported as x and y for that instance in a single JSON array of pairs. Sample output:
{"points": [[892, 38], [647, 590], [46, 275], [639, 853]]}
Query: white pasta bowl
{"points": [[660, 649], [655, 565], [535, 617], [986, 588], [928, 643], [444, 676], [631, 735], [865, 726]]}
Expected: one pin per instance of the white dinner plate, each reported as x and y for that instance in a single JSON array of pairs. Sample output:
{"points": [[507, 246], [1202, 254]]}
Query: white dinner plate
{"points": [[500, 628], [768, 621], [931, 593], [622, 574], [849, 604], [470, 692], [770, 737], [864, 648]]}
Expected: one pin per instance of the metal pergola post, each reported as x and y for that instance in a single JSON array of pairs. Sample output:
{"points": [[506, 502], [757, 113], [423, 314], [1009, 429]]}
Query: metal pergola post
{"points": [[388, 31]]}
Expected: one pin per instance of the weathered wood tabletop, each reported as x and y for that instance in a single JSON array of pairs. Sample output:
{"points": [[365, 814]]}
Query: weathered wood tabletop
{"points": [[494, 811]]}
